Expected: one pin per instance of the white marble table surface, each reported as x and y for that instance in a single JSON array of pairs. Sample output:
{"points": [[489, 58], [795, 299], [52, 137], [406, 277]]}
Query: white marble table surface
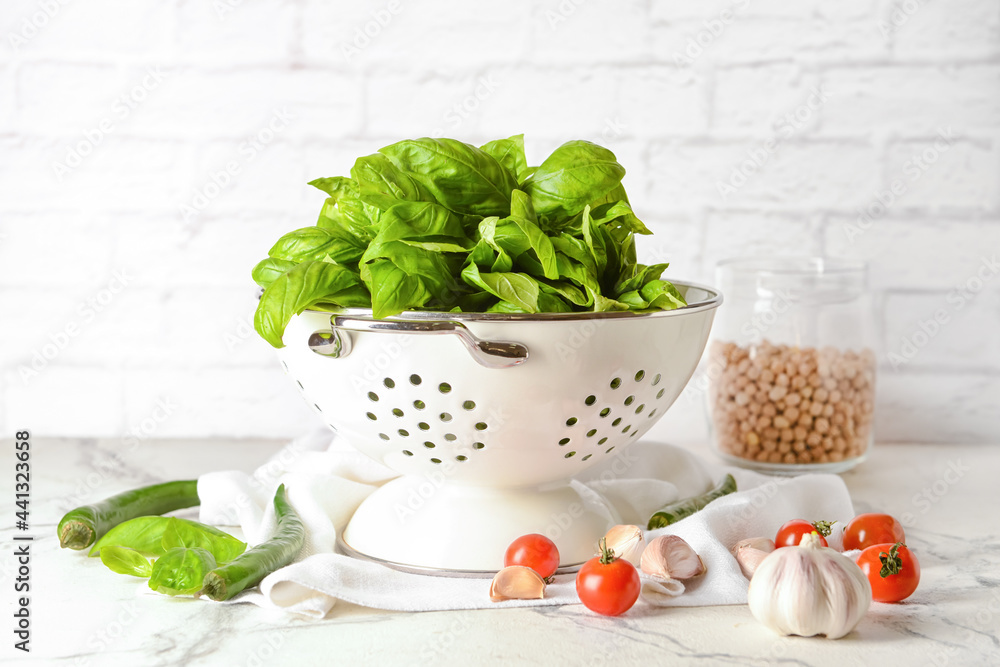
{"points": [[82, 614]]}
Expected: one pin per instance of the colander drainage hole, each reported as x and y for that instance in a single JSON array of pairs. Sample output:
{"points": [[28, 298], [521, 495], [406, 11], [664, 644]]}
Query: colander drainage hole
{"points": [[407, 452], [605, 412], [316, 405], [371, 415], [469, 405], [419, 405], [659, 394], [639, 376], [656, 379], [630, 400], [461, 457], [564, 441], [403, 432], [444, 387], [299, 382], [481, 426], [617, 382], [450, 437], [383, 436], [617, 421], [478, 445], [642, 406], [569, 454], [591, 433], [429, 445], [634, 433], [651, 413], [415, 380], [435, 460], [602, 440], [372, 396], [625, 430], [586, 457], [389, 383], [397, 412], [590, 400], [424, 426], [571, 421], [608, 450], [445, 417]]}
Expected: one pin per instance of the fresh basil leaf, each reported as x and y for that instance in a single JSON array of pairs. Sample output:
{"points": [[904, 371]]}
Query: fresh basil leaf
{"points": [[663, 295], [517, 288], [416, 220], [336, 186], [509, 153], [460, 177], [181, 571], [144, 534], [316, 243], [604, 304], [296, 290], [568, 291], [267, 270], [180, 533], [574, 175], [383, 185], [640, 276], [126, 561], [393, 290]]}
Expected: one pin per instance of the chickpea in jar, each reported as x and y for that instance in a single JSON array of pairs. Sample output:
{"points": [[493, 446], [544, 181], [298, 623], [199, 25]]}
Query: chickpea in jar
{"points": [[793, 405]]}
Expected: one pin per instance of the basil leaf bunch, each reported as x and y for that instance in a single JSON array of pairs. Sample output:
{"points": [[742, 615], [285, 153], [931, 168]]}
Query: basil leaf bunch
{"points": [[438, 224]]}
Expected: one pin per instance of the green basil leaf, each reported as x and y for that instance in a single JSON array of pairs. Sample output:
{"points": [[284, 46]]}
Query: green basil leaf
{"points": [[181, 571], [383, 185], [126, 561], [663, 295], [460, 177], [144, 534], [640, 275], [317, 243], [416, 220], [517, 288], [296, 290], [336, 186], [393, 290], [267, 270], [576, 174], [181, 533], [509, 153]]}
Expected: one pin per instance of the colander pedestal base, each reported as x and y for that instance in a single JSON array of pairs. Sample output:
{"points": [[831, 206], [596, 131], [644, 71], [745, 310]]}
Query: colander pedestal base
{"points": [[427, 524]]}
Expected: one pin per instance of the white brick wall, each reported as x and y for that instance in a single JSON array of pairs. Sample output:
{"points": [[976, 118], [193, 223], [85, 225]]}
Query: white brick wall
{"points": [[144, 103]]}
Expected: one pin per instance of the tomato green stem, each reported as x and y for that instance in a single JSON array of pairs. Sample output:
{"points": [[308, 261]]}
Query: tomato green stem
{"points": [[891, 562], [607, 555], [824, 528]]}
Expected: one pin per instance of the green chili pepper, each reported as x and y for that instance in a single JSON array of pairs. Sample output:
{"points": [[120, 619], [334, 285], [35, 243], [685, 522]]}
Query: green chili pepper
{"points": [[82, 526], [249, 568], [674, 512]]}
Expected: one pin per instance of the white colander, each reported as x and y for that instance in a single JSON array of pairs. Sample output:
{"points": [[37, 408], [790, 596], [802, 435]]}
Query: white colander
{"points": [[488, 417]]}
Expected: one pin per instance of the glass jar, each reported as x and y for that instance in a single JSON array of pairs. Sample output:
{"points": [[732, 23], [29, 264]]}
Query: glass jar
{"points": [[791, 364]]}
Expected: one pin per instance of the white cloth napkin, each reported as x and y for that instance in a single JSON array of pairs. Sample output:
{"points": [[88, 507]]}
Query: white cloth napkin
{"points": [[326, 480]]}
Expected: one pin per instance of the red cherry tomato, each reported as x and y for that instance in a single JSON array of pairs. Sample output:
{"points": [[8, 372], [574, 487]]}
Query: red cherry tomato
{"points": [[535, 551], [865, 530], [892, 570], [608, 585], [790, 534]]}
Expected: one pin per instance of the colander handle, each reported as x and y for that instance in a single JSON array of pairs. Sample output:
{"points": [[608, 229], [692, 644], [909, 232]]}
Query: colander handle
{"points": [[488, 353]]}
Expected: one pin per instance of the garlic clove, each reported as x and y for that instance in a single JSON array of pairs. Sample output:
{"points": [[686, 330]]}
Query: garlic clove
{"points": [[517, 583], [762, 543], [749, 553], [627, 542], [660, 592], [670, 557]]}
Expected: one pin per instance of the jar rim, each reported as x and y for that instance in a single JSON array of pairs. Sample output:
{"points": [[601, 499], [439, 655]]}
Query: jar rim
{"points": [[793, 265]]}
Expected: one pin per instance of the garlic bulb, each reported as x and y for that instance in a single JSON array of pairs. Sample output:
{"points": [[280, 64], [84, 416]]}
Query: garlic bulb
{"points": [[749, 553], [809, 590], [627, 542], [670, 557]]}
